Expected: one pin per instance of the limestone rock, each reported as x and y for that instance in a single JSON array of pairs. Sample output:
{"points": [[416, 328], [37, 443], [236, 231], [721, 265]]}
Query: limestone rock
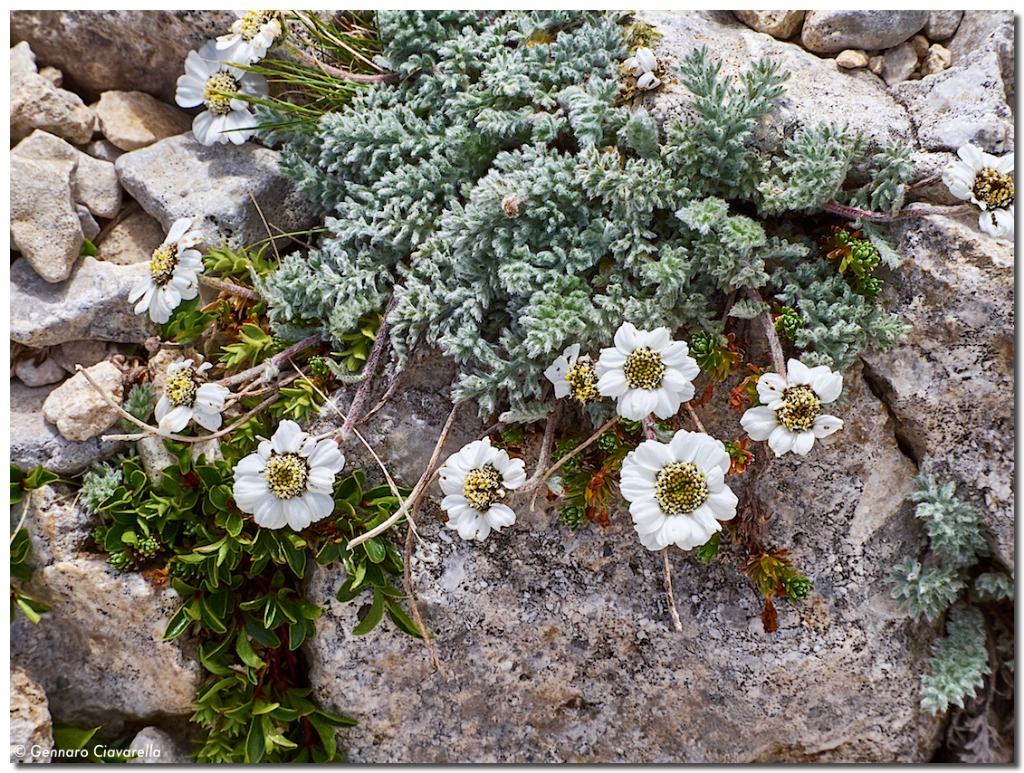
{"points": [[828, 32], [78, 410], [103, 150], [814, 93], [31, 729], [36, 442], [982, 32], [84, 353], [920, 45], [950, 385], [558, 645], [58, 526], [133, 119], [937, 60], [34, 374], [900, 62], [153, 745], [93, 183], [100, 654], [22, 59], [178, 177], [90, 228], [52, 74], [142, 50], [876, 64], [92, 303], [851, 59], [963, 104], [37, 104], [44, 222], [778, 24], [132, 240], [154, 455], [942, 24]]}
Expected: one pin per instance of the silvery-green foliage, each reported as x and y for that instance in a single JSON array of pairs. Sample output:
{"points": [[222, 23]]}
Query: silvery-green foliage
{"points": [[925, 591], [952, 524], [993, 586], [515, 206], [98, 485], [959, 661]]}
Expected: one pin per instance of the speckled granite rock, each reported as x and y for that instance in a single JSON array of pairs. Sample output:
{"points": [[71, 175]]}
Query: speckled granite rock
{"points": [[31, 728], [35, 441], [92, 303], [942, 24], [951, 386], [99, 652], [58, 526], [815, 92], [559, 646], [142, 50], [35, 374], [178, 177]]}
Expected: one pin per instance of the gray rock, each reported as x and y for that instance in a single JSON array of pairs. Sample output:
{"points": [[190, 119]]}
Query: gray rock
{"points": [[22, 59], [44, 222], [987, 31], [134, 119], [153, 745], [178, 177], [92, 303], [942, 24], [558, 645], [154, 455], [84, 353], [965, 103], [141, 50], [814, 93], [90, 228], [103, 150], [34, 374], [58, 526], [100, 653], [93, 183], [37, 104], [78, 409], [949, 385], [828, 32], [778, 24], [36, 442], [900, 62], [927, 180], [132, 240], [31, 729]]}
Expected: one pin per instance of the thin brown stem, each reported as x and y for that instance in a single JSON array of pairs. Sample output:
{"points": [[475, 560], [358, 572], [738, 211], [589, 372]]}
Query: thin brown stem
{"points": [[342, 74], [544, 455], [669, 595], [696, 419], [578, 449], [855, 213], [774, 344], [229, 287], [362, 394], [275, 361]]}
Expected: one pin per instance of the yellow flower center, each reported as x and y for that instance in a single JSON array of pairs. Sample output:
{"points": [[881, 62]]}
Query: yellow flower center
{"points": [[582, 380], [801, 407], [483, 487], [180, 387], [994, 189], [680, 488], [251, 22], [644, 369], [286, 475], [162, 263], [216, 94]]}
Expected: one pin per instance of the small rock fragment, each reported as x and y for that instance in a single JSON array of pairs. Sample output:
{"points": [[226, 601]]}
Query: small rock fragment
{"points": [[78, 410], [103, 150], [22, 59], [133, 119], [937, 59], [44, 222], [920, 44], [942, 24], [153, 745], [132, 240], [90, 228], [852, 59], [876, 64], [900, 62], [34, 374], [778, 24], [52, 74], [37, 104]]}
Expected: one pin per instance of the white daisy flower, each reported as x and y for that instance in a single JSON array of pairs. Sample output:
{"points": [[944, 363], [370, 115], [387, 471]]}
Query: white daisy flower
{"points": [[790, 418], [187, 396], [642, 61], [987, 182], [174, 270], [646, 372], [289, 480], [573, 375], [474, 481], [676, 490], [209, 81], [251, 36]]}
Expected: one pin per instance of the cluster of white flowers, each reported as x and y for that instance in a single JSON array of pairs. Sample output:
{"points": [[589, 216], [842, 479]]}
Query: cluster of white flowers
{"points": [[987, 182], [174, 270], [213, 78], [187, 397], [643, 65]]}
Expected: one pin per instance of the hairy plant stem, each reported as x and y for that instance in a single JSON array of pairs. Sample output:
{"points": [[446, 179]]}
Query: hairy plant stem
{"points": [[228, 287], [855, 213], [774, 344]]}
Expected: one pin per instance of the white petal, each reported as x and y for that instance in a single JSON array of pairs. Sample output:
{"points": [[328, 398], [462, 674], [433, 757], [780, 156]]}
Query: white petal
{"points": [[288, 437], [781, 440], [770, 386], [625, 337], [825, 425], [612, 383], [298, 513], [320, 505], [176, 420], [759, 422], [828, 386], [667, 402], [178, 229], [208, 420], [252, 465], [797, 373], [803, 443], [327, 456], [514, 474], [269, 513], [646, 59], [499, 516]]}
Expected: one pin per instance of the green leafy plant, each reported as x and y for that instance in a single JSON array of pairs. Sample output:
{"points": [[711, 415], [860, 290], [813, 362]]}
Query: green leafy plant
{"points": [[22, 484]]}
